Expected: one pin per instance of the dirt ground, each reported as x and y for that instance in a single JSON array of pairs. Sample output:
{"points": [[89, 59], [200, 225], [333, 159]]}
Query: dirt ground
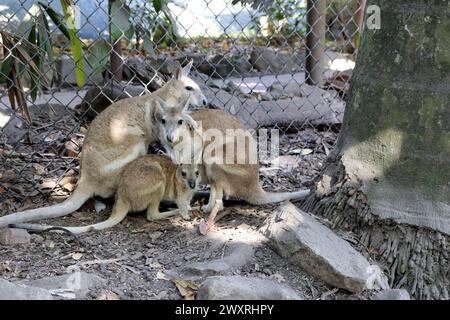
{"points": [[136, 256]]}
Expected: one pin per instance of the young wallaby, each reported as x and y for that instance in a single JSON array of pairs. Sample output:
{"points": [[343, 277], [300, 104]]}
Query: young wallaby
{"points": [[117, 136], [232, 179], [143, 184]]}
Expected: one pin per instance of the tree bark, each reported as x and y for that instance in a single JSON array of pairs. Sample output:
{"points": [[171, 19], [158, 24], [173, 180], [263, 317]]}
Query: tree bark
{"points": [[388, 180]]}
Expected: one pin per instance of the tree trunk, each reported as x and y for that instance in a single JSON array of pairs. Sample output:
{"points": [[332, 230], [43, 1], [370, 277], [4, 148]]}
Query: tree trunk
{"points": [[388, 180]]}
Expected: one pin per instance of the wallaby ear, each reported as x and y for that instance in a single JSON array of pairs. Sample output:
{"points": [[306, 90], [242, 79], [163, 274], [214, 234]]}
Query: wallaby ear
{"points": [[178, 73], [187, 68], [160, 105]]}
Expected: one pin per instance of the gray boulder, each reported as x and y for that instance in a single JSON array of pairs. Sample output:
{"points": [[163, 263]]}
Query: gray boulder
{"points": [[78, 283], [242, 288], [305, 242], [13, 291]]}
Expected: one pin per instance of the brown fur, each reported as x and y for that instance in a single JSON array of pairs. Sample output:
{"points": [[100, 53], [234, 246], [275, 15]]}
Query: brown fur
{"points": [[117, 136], [143, 184], [239, 180]]}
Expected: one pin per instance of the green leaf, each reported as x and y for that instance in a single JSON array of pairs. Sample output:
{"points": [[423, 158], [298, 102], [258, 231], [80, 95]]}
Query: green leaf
{"points": [[57, 18], [157, 4], [5, 68], [75, 45], [120, 19], [99, 55], [26, 26], [129, 33]]}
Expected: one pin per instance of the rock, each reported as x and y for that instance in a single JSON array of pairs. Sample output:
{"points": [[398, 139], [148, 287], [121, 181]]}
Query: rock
{"points": [[268, 60], [223, 66], [164, 65], [197, 58], [142, 72], [98, 99], [392, 294], [13, 291], [242, 288], [309, 244], [239, 255], [315, 94], [14, 130], [78, 282], [11, 236], [65, 69]]}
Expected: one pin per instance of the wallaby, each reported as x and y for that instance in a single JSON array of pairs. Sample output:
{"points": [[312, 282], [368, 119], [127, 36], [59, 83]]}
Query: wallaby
{"points": [[117, 136], [238, 179], [143, 184]]}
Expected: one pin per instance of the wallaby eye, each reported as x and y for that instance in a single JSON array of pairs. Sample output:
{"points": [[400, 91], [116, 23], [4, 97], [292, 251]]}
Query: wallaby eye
{"points": [[196, 173], [180, 122], [183, 174], [189, 88], [163, 121]]}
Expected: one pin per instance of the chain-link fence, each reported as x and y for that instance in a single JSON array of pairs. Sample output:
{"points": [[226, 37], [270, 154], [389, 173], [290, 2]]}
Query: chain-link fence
{"points": [[282, 64]]}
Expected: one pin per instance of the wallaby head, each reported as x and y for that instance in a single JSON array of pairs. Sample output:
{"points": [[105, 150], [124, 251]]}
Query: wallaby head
{"points": [[189, 174], [170, 118], [183, 87]]}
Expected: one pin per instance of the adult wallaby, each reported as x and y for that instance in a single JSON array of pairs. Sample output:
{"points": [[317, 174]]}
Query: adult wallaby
{"points": [[117, 136], [236, 178]]}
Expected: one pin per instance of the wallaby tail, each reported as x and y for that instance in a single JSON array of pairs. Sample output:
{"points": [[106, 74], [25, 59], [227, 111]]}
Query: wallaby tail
{"points": [[119, 213], [264, 197], [74, 202]]}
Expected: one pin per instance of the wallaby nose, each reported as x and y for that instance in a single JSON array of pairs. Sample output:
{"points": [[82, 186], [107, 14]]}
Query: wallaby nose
{"points": [[191, 184], [169, 138]]}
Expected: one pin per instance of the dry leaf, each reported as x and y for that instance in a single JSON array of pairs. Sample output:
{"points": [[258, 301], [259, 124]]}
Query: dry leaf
{"points": [[77, 256], [69, 186], [71, 148], [40, 170], [186, 288]]}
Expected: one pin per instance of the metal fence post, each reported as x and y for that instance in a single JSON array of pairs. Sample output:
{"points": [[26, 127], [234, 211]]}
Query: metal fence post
{"points": [[315, 40]]}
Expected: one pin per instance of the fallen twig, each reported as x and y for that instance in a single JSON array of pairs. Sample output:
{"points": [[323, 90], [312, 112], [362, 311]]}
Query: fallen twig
{"points": [[205, 226]]}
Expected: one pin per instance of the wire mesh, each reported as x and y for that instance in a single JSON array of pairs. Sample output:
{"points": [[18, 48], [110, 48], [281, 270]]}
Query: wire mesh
{"points": [[249, 58]]}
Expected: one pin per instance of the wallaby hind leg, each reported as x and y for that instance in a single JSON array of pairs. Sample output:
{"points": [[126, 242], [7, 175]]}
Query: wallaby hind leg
{"points": [[216, 194], [154, 214]]}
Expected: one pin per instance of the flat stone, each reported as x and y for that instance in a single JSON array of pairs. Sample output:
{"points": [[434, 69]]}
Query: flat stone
{"points": [[239, 255], [13, 291], [78, 282], [11, 236], [242, 288], [305, 242], [392, 294]]}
